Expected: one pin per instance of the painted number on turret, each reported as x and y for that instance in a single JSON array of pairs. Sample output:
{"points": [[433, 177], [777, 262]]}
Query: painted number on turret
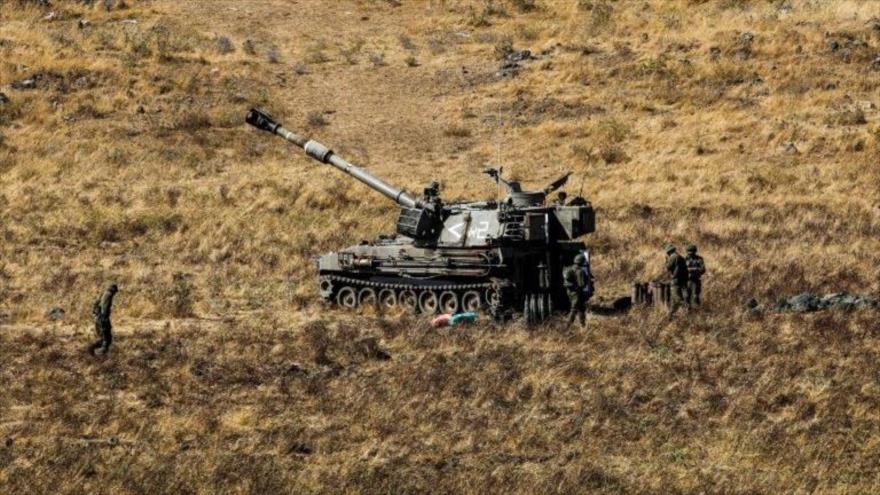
{"points": [[480, 231]]}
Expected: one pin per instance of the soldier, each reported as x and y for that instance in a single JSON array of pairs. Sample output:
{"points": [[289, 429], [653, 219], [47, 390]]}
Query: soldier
{"points": [[677, 269], [579, 284], [432, 191], [101, 311], [696, 268], [560, 199]]}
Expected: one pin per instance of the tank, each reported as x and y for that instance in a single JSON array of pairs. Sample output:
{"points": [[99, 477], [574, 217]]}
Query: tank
{"points": [[502, 256]]}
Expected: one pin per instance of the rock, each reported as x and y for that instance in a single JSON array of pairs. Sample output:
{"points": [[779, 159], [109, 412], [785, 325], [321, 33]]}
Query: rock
{"points": [[790, 148], [509, 69], [519, 56], [753, 304], [28, 83], [876, 64], [50, 16], [746, 37], [300, 448], [55, 313], [297, 369], [83, 23]]}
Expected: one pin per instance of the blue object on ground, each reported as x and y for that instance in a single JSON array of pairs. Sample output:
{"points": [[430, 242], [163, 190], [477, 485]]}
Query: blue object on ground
{"points": [[460, 318]]}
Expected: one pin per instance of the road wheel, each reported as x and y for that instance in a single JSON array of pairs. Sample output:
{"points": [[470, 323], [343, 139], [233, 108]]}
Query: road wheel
{"points": [[367, 297], [470, 301], [325, 287], [407, 298], [347, 298], [429, 303], [449, 302], [387, 299], [493, 297]]}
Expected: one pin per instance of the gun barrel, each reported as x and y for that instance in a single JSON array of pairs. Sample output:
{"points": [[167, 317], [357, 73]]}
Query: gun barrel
{"points": [[323, 154]]}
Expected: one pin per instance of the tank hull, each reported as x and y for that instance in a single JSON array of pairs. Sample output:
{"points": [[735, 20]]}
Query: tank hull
{"points": [[502, 279]]}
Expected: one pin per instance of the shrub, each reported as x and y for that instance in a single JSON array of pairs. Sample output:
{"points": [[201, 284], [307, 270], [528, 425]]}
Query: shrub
{"points": [[224, 45]]}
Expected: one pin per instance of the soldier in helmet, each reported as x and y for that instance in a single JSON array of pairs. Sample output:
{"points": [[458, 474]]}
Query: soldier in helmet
{"points": [[432, 191], [431, 195], [101, 311], [677, 269], [579, 284], [696, 268], [561, 197]]}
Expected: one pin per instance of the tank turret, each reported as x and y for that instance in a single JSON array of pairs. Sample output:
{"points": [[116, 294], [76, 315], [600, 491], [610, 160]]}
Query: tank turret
{"points": [[502, 254]]}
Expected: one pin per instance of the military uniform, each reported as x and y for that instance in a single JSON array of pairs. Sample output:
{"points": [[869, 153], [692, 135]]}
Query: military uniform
{"points": [[103, 328], [696, 268], [677, 269], [579, 286]]}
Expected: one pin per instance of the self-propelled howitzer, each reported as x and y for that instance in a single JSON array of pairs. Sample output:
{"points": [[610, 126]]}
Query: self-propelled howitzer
{"points": [[499, 255]]}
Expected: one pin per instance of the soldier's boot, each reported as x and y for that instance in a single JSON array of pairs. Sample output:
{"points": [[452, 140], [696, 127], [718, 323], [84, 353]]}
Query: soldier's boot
{"points": [[583, 317], [95, 346], [571, 317]]}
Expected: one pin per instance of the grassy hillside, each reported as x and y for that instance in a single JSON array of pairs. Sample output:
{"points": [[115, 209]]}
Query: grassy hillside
{"points": [[748, 127]]}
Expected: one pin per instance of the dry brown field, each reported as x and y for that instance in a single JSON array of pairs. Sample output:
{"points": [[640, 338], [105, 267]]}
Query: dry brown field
{"points": [[748, 127]]}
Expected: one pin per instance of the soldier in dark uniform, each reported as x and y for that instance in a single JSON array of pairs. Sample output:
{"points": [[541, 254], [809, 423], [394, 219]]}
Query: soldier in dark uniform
{"points": [[579, 285], [677, 269], [101, 311], [696, 268]]}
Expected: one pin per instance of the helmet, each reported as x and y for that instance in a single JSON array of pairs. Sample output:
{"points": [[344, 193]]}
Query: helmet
{"points": [[561, 195], [580, 260], [113, 288], [692, 249], [669, 248]]}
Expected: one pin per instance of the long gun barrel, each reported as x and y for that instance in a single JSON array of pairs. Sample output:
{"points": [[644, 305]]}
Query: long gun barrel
{"points": [[323, 154]]}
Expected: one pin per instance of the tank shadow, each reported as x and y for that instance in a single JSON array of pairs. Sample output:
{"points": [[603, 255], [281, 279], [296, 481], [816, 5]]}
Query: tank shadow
{"points": [[617, 306]]}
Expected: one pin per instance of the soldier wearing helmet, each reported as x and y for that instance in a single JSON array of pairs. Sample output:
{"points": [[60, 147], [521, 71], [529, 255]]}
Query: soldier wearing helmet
{"points": [[696, 269], [678, 272], [101, 311], [578, 280]]}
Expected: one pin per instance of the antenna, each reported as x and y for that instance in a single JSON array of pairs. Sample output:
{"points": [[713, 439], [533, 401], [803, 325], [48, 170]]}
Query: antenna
{"points": [[584, 176]]}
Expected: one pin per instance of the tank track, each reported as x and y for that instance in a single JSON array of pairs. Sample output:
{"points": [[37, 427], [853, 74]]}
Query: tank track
{"points": [[356, 282], [421, 297]]}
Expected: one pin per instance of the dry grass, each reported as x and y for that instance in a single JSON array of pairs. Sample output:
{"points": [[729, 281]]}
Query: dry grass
{"points": [[128, 160]]}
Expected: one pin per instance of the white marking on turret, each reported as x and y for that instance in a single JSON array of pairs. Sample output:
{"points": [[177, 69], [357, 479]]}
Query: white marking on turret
{"points": [[456, 229]]}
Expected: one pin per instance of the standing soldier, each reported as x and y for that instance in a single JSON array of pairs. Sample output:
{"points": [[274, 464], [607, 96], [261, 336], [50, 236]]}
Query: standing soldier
{"points": [[101, 311], [579, 285], [677, 269], [696, 268]]}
